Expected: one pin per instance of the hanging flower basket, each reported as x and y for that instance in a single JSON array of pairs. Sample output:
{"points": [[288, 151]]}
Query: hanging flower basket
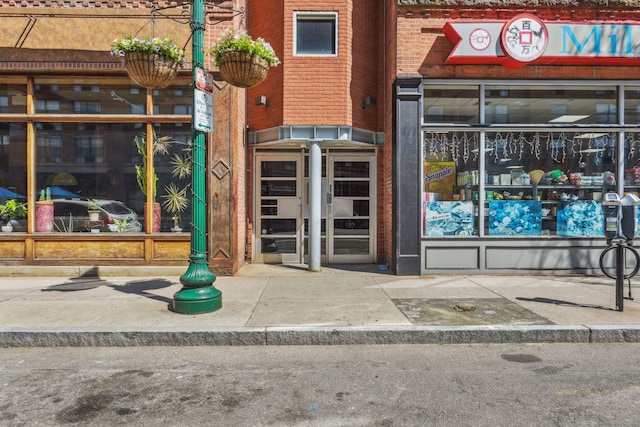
{"points": [[243, 61], [243, 69], [151, 63], [151, 70]]}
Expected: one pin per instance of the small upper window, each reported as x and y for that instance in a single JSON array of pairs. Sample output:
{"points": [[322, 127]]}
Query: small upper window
{"points": [[316, 34]]}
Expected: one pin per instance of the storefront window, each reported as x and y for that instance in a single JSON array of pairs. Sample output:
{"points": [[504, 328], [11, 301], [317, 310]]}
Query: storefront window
{"points": [[88, 96], [552, 104], [13, 161], [632, 162], [97, 165], [81, 161], [545, 181], [13, 98], [172, 100], [632, 104], [451, 104], [173, 168], [450, 177]]}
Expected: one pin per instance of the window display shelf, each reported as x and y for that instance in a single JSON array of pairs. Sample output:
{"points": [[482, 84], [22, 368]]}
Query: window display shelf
{"points": [[552, 187]]}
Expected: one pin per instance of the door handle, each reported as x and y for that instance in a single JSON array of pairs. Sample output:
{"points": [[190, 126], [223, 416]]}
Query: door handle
{"points": [[330, 195]]}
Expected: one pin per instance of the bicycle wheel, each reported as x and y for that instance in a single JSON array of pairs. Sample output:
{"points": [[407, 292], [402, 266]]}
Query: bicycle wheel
{"points": [[608, 262]]}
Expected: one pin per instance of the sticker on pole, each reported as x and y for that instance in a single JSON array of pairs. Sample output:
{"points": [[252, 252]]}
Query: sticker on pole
{"points": [[203, 111], [204, 80]]}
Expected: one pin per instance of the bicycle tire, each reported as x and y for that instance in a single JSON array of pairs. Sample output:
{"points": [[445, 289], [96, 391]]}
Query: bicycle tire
{"points": [[635, 270]]}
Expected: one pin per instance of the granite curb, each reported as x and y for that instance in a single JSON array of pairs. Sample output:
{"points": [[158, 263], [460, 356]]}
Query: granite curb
{"points": [[304, 335]]}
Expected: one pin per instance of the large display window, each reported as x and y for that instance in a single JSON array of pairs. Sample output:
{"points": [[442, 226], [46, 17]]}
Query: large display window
{"points": [[549, 152], [89, 151]]}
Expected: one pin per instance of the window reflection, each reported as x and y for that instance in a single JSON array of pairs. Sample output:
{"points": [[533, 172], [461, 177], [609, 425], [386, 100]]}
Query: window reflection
{"points": [[451, 104], [85, 96], [76, 161], [13, 98], [13, 177], [550, 104], [632, 104], [172, 165]]}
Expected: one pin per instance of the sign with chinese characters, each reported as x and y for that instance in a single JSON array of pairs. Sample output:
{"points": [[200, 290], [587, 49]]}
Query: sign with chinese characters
{"points": [[526, 39]]}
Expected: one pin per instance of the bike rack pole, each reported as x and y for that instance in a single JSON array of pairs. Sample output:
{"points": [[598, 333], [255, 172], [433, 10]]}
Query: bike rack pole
{"points": [[620, 277]]}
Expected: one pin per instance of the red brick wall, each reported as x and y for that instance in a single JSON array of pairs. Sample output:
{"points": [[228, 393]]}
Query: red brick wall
{"points": [[367, 53], [315, 88], [385, 154], [266, 19], [318, 90]]}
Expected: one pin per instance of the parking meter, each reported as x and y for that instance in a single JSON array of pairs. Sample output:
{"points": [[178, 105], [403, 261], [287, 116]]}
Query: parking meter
{"points": [[629, 223], [610, 206], [620, 223]]}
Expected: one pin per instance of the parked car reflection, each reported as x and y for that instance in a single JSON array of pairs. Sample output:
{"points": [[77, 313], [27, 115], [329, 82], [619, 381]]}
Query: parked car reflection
{"points": [[71, 215]]}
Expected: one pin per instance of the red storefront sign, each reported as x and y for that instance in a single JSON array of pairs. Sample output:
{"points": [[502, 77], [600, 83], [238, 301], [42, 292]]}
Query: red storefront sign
{"points": [[525, 39]]}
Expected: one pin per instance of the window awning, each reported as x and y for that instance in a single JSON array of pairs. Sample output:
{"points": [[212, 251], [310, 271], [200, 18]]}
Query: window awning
{"points": [[302, 135]]}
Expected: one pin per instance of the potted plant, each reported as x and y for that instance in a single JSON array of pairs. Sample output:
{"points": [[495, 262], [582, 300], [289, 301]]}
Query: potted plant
{"points": [[150, 62], [11, 210], [175, 202], [93, 209], [44, 212], [121, 224], [243, 61]]}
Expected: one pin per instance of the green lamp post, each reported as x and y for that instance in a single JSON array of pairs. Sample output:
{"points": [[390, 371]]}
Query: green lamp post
{"points": [[198, 295]]}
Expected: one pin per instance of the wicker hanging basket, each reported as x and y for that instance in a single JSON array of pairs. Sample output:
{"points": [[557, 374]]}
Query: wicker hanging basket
{"points": [[243, 69], [150, 70]]}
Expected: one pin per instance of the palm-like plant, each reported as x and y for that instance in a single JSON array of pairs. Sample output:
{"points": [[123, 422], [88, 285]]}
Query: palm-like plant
{"points": [[176, 200], [160, 146]]}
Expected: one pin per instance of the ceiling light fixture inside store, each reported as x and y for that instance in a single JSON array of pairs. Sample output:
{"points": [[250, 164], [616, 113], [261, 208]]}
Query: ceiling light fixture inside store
{"points": [[568, 118], [590, 135]]}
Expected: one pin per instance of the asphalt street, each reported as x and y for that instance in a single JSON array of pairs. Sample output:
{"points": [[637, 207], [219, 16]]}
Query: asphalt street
{"points": [[355, 385]]}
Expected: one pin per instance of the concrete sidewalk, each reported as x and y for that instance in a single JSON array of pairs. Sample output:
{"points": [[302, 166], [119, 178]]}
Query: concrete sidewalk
{"points": [[281, 305]]}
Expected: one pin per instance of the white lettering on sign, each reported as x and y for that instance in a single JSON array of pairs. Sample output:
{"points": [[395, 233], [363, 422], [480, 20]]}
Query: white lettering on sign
{"points": [[438, 175], [203, 111]]}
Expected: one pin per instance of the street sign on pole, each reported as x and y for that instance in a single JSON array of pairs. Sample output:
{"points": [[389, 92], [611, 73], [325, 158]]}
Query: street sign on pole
{"points": [[203, 111], [204, 80]]}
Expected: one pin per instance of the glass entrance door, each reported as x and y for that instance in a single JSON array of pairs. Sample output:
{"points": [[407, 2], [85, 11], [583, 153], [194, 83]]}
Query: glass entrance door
{"points": [[348, 209], [351, 208], [279, 209]]}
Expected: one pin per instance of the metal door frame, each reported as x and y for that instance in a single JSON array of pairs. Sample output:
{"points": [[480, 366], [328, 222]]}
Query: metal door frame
{"points": [[328, 256], [261, 256], [331, 236]]}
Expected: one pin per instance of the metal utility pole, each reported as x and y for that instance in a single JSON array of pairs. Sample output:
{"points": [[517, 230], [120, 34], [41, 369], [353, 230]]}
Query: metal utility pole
{"points": [[197, 295]]}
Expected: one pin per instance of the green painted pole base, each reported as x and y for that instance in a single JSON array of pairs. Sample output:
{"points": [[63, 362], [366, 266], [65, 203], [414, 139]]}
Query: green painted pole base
{"points": [[198, 294], [197, 300]]}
